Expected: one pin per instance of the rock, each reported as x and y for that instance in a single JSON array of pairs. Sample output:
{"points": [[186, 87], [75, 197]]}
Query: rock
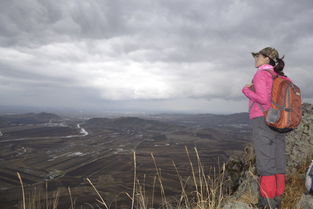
{"points": [[241, 180], [306, 129], [248, 190], [307, 108], [306, 202], [237, 166], [299, 143], [236, 205]]}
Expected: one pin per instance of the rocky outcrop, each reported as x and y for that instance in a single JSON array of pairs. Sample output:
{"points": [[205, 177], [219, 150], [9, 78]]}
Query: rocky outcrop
{"points": [[299, 144], [241, 180], [236, 205], [306, 202], [240, 174], [239, 168]]}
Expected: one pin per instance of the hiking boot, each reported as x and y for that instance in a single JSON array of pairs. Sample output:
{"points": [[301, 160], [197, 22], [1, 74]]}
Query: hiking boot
{"points": [[278, 201], [267, 203]]}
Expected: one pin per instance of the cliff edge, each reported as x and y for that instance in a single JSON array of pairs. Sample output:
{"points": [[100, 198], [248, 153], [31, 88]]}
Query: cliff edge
{"points": [[241, 180]]}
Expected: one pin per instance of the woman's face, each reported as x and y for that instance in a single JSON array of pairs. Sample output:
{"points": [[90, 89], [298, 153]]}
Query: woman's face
{"points": [[260, 59]]}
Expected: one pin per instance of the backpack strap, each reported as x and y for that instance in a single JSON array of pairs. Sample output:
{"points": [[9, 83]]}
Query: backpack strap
{"points": [[251, 106], [272, 73], [261, 107]]}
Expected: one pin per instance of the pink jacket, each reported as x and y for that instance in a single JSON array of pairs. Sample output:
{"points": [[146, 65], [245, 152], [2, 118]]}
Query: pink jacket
{"points": [[262, 82]]}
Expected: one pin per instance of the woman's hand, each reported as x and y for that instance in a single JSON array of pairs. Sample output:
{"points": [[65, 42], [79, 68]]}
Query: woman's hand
{"points": [[248, 85]]}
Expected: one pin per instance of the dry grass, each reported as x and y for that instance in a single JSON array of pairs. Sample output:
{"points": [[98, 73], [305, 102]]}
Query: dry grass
{"points": [[207, 192], [36, 199], [295, 185]]}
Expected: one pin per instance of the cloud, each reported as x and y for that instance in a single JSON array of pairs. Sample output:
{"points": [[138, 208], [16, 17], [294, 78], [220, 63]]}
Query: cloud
{"points": [[117, 51]]}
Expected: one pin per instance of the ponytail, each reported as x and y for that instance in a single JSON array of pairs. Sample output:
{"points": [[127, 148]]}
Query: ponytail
{"points": [[278, 66]]}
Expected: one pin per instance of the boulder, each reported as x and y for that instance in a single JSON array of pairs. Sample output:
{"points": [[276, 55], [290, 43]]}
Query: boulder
{"points": [[299, 143], [306, 202], [236, 205]]}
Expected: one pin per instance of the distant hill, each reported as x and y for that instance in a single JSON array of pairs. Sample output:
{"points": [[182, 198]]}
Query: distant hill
{"points": [[29, 118], [205, 120], [124, 123]]}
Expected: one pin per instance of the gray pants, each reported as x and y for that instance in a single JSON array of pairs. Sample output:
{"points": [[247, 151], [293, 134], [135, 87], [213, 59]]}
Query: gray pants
{"points": [[269, 149]]}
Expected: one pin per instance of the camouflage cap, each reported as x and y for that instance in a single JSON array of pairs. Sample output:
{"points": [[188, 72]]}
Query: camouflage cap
{"points": [[268, 52]]}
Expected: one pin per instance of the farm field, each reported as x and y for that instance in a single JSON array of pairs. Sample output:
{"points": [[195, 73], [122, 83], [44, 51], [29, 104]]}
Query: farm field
{"points": [[62, 153]]}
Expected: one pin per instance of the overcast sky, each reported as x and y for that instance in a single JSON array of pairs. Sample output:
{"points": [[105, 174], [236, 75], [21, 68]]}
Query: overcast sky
{"points": [[147, 55]]}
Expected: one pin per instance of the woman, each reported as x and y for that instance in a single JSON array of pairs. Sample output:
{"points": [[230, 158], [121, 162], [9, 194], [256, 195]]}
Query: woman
{"points": [[269, 144]]}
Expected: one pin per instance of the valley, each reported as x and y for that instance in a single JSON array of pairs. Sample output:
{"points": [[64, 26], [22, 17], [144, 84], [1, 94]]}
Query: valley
{"points": [[63, 152]]}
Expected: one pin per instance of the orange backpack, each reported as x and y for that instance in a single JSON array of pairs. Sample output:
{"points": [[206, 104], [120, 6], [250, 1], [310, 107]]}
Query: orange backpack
{"points": [[285, 113]]}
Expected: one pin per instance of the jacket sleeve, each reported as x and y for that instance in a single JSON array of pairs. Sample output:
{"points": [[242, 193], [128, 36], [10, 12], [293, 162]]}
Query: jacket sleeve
{"points": [[260, 95]]}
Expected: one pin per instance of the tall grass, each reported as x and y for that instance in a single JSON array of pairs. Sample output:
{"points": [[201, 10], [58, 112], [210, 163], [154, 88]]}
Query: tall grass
{"points": [[36, 199], [206, 193], [295, 185]]}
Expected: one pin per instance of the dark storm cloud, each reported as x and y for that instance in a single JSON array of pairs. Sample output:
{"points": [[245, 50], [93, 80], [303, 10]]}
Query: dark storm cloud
{"points": [[147, 50]]}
